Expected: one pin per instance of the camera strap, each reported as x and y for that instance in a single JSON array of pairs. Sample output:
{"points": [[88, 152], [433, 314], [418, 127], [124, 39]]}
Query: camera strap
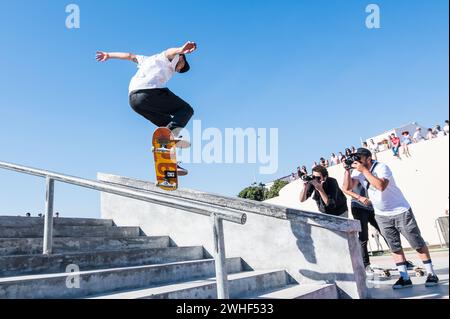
{"points": [[371, 171]]}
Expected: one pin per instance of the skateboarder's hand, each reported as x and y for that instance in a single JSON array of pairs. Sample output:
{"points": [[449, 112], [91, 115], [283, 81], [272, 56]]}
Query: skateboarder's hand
{"points": [[102, 56], [188, 47]]}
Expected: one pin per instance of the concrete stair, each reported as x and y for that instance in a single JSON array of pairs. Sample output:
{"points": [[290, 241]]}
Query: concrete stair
{"points": [[69, 231], [35, 264], [33, 246], [122, 263]]}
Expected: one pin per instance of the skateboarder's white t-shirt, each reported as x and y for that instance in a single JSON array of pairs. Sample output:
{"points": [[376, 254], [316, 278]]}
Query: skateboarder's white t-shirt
{"points": [[389, 202], [153, 72]]}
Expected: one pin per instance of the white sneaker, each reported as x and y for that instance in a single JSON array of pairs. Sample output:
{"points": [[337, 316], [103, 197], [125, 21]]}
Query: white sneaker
{"points": [[370, 273], [180, 143]]}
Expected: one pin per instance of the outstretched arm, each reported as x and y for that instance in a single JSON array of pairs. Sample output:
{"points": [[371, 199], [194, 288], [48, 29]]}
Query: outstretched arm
{"points": [[105, 56], [187, 48]]}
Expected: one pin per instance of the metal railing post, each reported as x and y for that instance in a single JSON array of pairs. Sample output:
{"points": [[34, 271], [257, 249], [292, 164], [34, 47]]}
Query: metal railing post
{"points": [[48, 224], [219, 258]]}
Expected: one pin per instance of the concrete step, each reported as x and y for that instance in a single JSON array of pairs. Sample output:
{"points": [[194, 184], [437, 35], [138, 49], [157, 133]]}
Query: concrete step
{"points": [[12, 221], [69, 231], [303, 291], [96, 282], [42, 264], [240, 285], [33, 246]]}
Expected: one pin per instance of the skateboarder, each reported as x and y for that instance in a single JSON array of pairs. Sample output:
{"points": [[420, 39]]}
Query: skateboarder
{"points": [[148, 93]]}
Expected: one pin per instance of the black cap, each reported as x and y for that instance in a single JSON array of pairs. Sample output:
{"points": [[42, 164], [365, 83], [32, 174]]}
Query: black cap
{"points": [[363, 151], [186, 65]]}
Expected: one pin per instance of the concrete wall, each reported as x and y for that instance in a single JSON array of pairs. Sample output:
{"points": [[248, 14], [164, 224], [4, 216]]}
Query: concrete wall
{"points": [[423, 178], [311, 247]]}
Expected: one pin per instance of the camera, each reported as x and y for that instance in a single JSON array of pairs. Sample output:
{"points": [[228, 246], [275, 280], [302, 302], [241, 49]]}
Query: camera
{"points": [[350, 160], [308, 178]]}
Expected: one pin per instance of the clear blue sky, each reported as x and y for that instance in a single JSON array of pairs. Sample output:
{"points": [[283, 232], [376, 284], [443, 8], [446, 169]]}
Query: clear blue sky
{"points": [[310, 68]]}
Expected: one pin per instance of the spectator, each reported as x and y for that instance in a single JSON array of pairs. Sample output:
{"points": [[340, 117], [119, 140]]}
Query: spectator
{"points": [[334, 160], [446, 128], [28, 215], [407, 140], [292, 178], [304, 170], [392, 213], [373, 146], [430, 134], [418, 137], [348, 152], [39, 215], [329, 197], [389, 143], [362, 210], [395, 141], [324, 162], [438, 131], [353, 149], [341, 157], [57, 215], [299, 174]]}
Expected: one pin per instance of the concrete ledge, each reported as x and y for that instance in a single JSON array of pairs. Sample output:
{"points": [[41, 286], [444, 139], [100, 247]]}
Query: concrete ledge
{"points": [[275, 211], [313, 248]]}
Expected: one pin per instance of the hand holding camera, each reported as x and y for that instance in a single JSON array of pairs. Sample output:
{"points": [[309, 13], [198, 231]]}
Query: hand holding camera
{"points": [[350, 160], [312, 180]]}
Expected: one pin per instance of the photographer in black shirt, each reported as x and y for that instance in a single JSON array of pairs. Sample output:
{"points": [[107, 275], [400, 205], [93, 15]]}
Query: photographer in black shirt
{"points": [[329, 197]]}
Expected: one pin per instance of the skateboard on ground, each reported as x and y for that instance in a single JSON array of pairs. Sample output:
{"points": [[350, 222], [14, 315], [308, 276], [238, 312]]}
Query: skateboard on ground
{"points": [[387, 272], [164, 152]]}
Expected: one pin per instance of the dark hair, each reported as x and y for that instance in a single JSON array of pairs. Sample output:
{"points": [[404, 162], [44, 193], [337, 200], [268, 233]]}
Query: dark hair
{"points": [[186, 66], [320, 169]]}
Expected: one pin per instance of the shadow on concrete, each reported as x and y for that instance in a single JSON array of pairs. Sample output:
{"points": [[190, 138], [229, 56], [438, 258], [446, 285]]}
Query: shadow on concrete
{"points": [[302, 232], [304, 240]]}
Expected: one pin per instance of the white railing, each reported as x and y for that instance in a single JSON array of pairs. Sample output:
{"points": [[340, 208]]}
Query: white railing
{"points": [[217, 213]]}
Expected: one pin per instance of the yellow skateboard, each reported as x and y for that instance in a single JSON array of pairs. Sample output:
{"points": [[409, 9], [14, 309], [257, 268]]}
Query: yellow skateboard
{"points": [[164, 151]]}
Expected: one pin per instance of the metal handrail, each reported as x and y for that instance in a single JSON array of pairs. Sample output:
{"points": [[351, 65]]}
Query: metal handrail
{"points": [[216, 212]]}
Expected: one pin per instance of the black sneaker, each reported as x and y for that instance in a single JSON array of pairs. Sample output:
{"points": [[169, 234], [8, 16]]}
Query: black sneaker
{"points": [[432, 280], [402, 283]]}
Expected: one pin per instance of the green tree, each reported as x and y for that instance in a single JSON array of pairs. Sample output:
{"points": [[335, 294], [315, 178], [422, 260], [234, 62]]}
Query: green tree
{"points": [[275, 189], [256, 192]]}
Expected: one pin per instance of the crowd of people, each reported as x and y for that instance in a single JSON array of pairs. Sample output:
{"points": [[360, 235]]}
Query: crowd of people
{"points": [[392, 142], [41, 215]]}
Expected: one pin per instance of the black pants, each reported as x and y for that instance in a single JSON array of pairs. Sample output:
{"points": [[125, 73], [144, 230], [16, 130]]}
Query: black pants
{"points": [[161, 107], [365, 217]]}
